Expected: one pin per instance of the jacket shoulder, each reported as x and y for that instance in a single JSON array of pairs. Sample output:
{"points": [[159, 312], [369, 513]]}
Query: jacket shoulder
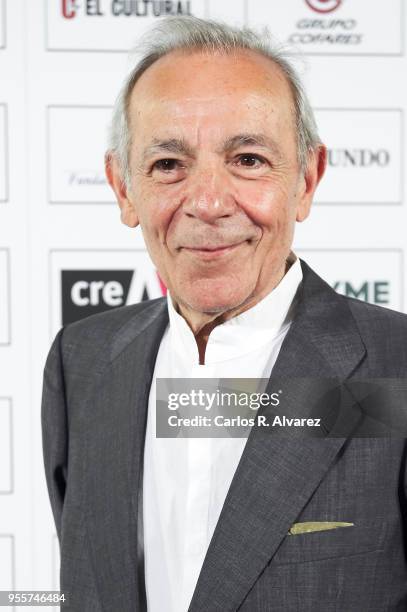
{"points": [[371, 314], [98, 338], [381, 332], [384, 333]]}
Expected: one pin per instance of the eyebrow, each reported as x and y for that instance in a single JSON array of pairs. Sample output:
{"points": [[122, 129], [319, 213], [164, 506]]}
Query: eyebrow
{"points": [[179, 146], [251, 140], [172, 145]]}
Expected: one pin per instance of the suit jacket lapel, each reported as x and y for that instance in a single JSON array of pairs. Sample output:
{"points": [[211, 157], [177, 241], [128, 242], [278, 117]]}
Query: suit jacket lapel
{"points": [[277, 475], [113, 469]]}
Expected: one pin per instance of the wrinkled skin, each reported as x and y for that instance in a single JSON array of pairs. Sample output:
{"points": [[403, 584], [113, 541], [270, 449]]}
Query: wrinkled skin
{"points": [[215, 180]]}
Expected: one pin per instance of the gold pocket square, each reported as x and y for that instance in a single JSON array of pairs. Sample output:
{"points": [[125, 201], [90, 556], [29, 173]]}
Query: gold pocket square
{"points": [[313, 526]]}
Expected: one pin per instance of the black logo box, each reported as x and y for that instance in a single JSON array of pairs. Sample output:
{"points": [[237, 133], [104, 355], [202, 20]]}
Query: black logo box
{"points": [[72, 312], [52, 290]]}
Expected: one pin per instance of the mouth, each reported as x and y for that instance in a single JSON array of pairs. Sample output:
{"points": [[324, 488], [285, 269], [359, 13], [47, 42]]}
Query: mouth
{"points": [[208, 253]]}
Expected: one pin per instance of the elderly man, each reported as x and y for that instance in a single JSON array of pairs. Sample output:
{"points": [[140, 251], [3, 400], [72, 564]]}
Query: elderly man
{"points": [[215, 154]]}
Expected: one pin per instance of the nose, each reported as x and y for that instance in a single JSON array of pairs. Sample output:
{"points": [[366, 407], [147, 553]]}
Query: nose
{"points": [[210, 196]]}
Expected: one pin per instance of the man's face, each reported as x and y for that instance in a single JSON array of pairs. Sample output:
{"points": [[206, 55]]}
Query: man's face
{"points": [[215, 181]]}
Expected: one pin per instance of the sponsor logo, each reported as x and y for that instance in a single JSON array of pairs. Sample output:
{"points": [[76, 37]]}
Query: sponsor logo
{"points": [[87, 292], [89, 282], [364, 156], [375, 292], [334, 27], [327, 32], [68, 8], [374, 276], [125, 8], [150, 8], [359, 158], [111, 25], [79, 177], [323, 6]]}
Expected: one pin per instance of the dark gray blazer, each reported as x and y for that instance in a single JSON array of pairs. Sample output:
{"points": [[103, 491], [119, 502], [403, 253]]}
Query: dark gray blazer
{"points": [[96, 387]]}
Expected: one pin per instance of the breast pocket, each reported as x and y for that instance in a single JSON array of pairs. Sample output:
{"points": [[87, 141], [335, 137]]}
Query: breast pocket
{"points": [[363, 537]]}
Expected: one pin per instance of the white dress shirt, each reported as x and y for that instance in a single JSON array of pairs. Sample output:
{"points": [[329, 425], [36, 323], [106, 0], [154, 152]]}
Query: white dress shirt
{"points": [[186, 480]]}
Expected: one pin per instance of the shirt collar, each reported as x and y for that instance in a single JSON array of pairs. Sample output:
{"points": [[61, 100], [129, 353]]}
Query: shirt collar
{"points": [[243, 334]]}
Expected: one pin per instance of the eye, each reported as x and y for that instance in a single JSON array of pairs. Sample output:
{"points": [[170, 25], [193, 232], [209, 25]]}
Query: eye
{"points": [[166, 165], [168, 170], [250, 160]]}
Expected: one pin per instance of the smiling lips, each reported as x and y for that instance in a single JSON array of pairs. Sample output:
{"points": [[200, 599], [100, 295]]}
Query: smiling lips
{"points": [[211, 252]]}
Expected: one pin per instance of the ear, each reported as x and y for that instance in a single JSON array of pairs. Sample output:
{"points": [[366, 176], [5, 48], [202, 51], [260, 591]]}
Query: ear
{"points": [[317, 160], [115, 179]]}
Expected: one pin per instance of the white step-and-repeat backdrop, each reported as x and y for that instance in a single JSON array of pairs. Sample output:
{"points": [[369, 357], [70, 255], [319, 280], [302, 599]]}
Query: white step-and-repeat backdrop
{"points": [[63, 252]]}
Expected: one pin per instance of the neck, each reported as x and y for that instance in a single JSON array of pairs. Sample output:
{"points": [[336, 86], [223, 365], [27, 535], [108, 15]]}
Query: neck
{"points": [[202, 323]]}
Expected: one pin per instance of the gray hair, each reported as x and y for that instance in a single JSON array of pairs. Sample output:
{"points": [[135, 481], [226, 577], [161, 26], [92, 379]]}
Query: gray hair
{"points": [[191, 33]]}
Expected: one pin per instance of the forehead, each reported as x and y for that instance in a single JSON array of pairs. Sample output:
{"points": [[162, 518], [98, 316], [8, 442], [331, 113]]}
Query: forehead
{"points": [[210, 90]]}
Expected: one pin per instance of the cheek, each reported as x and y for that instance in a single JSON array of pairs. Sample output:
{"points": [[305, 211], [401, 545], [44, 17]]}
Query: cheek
{"points": [[156, 210], [271, 206]]}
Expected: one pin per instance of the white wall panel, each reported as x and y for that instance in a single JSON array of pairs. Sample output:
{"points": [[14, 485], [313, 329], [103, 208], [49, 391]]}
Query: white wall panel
{"points": [[335, 27], [3, 25], [3, 154], [7, 565], [5, 323], [79, 178], [372, 275], [6, 446], [365, 165], [102, 25]]}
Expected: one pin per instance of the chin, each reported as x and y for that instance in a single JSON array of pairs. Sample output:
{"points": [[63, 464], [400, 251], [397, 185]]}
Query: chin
{"points": [[215, 302], [213, 295]]}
